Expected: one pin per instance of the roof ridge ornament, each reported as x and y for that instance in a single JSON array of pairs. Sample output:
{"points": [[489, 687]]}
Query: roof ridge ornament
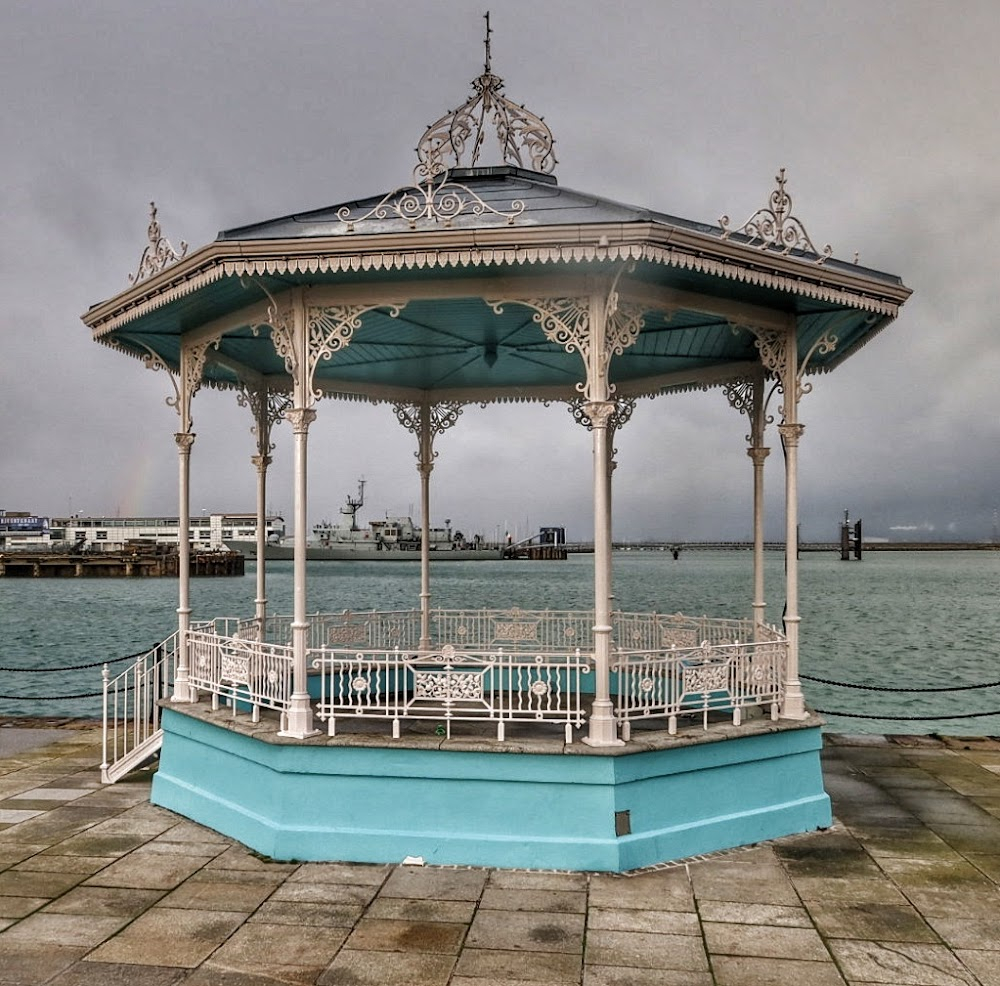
{"points": [[775, 228], [520, 132], [158, 253]]}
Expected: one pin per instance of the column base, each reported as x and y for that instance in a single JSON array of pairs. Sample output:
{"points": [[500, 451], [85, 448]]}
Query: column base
{"points": [[183, 692], [297, 722], [603, 731], [794, 706]]}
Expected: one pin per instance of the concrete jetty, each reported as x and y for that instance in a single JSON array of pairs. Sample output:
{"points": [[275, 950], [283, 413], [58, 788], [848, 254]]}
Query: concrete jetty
{"points": [[134, 561], [97, 886]]}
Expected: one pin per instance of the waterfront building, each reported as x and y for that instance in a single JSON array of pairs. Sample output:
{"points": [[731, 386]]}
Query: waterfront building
{"points": [[555, 739], [208, 531]]}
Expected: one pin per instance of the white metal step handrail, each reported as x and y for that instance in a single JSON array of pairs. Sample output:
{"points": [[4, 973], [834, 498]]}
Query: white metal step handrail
{"points": [[131, 718]]}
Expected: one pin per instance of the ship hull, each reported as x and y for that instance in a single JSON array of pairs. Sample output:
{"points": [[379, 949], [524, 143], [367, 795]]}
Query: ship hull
{"points": [[366, 552]]}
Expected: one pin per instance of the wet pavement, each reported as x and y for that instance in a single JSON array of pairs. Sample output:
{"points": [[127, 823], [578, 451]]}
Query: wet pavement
{"points": [[100, 888]]}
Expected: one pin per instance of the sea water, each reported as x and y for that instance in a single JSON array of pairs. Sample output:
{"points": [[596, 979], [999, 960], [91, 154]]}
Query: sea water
{"points": [[894, 620]]}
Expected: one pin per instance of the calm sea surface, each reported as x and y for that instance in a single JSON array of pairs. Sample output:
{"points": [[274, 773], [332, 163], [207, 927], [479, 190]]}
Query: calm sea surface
{"points": [[896, 619]]}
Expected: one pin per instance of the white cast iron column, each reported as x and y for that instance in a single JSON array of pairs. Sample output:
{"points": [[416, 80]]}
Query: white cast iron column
{"points": [[192, 363], [299, 722], [602, 722], [791, 433], [268, 408], [425, 463], [598, 328], [747, 397], [303, 335], [182, 688], [426, 421], [758, 454], [260, 464]]}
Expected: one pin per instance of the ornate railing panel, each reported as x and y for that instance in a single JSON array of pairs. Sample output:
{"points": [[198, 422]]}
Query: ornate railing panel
{"points": [[512, 629], [452, 685], [241, 672], [698, 680]]}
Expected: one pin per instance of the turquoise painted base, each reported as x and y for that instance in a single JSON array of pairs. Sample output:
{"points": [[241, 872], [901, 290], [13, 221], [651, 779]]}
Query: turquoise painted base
{"points": [[535, 810]]}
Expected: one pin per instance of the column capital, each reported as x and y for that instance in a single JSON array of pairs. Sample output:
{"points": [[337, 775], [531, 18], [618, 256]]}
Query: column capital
{"points": [[599, 412], [184, 440], [260, 462], [758, 453], [791, 432], [301, 418]]}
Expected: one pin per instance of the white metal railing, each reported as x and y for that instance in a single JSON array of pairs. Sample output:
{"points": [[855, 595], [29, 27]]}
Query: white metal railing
{"points": [[131, 721], [240, 672], [511, 629], [496, 666], [698, 680], [450, 685]]}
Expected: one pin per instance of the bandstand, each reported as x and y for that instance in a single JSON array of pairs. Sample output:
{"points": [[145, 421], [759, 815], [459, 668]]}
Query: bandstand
{"points": [[598, 740]]}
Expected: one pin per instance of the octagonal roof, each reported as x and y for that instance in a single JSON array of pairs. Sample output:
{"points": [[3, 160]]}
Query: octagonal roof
{"points": [[425, 261]]}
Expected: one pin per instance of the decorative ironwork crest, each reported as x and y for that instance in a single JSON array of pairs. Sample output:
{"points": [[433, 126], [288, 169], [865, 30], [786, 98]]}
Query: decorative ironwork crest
{"points": [[436, 199], [525, 139], [775, 228], [158, 253], [525, 142]]}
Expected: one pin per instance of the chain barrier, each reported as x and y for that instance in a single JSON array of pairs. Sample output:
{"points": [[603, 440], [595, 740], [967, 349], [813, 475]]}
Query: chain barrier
{"points": [[50, 698], [75, 667], [860, 715], [80, 667], [885, 688]]}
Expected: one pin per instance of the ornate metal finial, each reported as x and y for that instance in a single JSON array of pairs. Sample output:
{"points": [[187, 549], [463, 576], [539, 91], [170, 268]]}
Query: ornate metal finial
{"points": [[158, 253], [775, 227], [525, 139]]}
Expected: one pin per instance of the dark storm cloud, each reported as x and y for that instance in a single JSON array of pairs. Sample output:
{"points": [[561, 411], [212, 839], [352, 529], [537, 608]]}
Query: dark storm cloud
{"points": [[230, 112]]}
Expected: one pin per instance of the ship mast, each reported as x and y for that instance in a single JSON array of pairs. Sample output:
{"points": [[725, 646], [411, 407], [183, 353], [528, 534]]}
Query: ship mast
{"points": [[353, 505]]}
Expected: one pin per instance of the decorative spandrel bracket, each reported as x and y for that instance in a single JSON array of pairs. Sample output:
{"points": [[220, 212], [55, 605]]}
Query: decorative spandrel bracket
{"points": [[427, 421], [268, 407], [775, 228], [616, 414], [525, 140], [568, 322], [188, 382], [158, 253], [746, 396], [778, 352], [326, 329]]}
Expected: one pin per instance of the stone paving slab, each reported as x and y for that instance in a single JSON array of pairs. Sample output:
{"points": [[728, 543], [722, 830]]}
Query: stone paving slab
{"points": [[100, 888]]}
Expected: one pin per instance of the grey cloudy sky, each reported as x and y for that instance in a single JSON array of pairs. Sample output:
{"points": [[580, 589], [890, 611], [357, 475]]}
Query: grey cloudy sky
{"points": [[226, 112]]}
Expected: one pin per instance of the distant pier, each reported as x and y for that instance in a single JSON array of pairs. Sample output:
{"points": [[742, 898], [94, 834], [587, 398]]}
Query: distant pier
{"points": [[140, 561]]}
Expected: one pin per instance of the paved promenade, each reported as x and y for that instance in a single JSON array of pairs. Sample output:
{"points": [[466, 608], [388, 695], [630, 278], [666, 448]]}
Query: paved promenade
{"points": [[99, 888]]}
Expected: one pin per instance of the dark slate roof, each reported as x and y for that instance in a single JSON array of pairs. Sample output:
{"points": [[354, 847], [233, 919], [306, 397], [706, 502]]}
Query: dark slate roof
{"points": [[545, 203]]}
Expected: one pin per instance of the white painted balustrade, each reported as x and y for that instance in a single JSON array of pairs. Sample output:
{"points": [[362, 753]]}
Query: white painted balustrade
{"points": [[730, 677], [488, 666], [452, 685]]}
